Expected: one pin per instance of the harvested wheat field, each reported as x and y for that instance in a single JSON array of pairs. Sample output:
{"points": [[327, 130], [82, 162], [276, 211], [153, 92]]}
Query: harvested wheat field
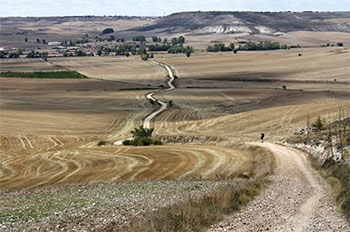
{"points": [[99, 165], [274, 121], [51, 128], [27, 65], [128, 70], [325, 68]]}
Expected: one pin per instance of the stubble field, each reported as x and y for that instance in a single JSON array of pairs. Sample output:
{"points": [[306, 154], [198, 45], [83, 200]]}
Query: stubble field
{"points": [[50, 128]]}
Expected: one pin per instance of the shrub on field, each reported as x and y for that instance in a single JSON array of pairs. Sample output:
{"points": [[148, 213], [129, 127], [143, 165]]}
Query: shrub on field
{"points": [[144, 57], [284, 87], [101, 143], [127, 142], [318, 124], [142, 137]]}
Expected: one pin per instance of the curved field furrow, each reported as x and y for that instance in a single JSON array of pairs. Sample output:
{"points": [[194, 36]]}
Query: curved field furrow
{"points": [[274, 122], [110, 164]]}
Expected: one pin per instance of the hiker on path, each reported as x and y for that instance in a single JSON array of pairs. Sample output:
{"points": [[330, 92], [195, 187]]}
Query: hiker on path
{"points": [[262, 135]]}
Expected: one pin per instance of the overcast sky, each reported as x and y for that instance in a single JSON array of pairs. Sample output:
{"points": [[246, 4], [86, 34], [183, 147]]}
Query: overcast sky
{"points": [[159, 7]]}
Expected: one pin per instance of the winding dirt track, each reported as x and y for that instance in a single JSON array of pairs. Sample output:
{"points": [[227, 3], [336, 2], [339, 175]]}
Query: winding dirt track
{"points": [[149, 96], [298, 200]]}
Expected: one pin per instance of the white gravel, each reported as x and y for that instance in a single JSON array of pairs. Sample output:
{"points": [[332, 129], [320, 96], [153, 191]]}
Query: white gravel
{"points": [[297, 200]]}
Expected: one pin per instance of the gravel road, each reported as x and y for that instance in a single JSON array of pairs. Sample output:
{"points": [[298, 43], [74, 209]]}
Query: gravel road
{"points": [[297, 200]]}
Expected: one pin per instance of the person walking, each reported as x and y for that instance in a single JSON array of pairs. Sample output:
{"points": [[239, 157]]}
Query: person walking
{"points": [[262, 135]]}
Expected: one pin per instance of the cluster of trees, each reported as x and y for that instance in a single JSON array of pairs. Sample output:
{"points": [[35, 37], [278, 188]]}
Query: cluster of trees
{"points": [[37, 40], [266, 45], [76, 53], [157, 47], [107, 31], [156, 39], [139, 38], [5, 54], [181, 49], [220, 47], [121, 50], [248, 46], [34, 54], [142, 137], [179, 40]]}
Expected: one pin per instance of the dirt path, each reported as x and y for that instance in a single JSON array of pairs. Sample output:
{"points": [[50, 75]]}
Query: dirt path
{"points": [[149, 96], [297, 200]]}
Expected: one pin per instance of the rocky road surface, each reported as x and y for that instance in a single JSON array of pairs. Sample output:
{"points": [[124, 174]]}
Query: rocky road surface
{"points": [[298, 199]]}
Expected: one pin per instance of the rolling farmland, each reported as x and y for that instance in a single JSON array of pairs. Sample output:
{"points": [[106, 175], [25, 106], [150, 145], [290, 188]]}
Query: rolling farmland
{"points": [[50, 129]]}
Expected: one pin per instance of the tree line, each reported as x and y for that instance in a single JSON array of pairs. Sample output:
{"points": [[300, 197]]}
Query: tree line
{"points": [[248, 46]]}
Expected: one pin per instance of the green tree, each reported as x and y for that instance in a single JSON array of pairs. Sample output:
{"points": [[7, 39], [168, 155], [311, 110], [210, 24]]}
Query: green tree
{"points": [[99, 52], [155, 39], [142, 137], [174, 41], [139, 38], [189, 50], [142, 132], [181, 39], [232, 46], [38, 40], [127, 54], [44, 41], [26, 39], [144, 56]]}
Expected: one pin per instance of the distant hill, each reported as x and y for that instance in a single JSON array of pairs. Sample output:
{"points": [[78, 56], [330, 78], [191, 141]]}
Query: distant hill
{"points": [[250, 22]]}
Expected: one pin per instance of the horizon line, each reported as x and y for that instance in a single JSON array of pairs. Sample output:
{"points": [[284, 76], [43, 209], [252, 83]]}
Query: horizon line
{"points": [[149, 16]]}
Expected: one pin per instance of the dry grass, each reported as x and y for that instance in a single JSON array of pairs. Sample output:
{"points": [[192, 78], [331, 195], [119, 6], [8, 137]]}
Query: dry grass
{"points": [[316, 64], [27, 65], [275, 122], [196, 213], [107, 164], [130, 70]]}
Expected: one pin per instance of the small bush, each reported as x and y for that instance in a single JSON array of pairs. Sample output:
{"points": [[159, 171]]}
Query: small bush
{"points": [[126, 142], [318, 124], [284, 87], [157, 142], [340, 44], [300, 54], [101, 143], [144, 57]]}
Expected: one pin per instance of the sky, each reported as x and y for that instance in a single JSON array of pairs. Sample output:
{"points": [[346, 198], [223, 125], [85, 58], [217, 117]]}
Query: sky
{"points": [[159, 7]]}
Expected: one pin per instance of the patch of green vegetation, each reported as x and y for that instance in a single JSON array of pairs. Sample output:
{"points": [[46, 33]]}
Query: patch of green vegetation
{"points": [[45, 75], [32, 212], [142, 137]]}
